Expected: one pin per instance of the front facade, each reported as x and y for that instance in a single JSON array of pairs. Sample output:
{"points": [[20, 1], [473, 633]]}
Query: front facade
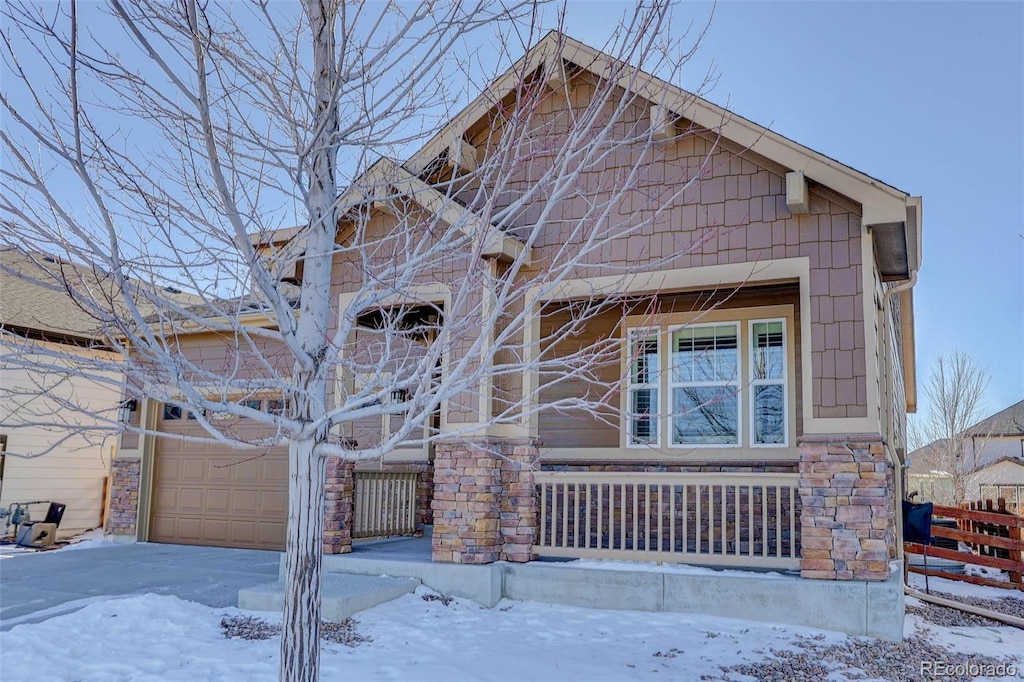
{"points": [[763, 365]]}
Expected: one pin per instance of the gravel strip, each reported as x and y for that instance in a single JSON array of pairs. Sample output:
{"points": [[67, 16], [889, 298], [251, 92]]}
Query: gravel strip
{"points": [[1011, 606], [950, 617], [250, 627], [858, 659]]}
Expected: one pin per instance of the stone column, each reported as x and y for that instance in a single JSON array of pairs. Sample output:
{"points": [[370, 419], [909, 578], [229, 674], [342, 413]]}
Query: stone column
{"points": [[125, 478], [339, 492], [518, 503], [848, 507], [467, 490]]}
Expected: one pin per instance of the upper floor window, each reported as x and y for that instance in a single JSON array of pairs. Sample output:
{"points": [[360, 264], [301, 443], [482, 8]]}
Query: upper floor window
{"points": [[725, 385]]}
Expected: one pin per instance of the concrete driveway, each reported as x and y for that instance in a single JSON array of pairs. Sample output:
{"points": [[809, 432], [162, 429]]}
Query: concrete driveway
{"points": [[35, 586]]}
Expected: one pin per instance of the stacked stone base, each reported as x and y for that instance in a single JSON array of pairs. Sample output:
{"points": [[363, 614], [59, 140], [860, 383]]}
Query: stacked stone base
{"points": [[339, 496], [125, 477], [485, 501], [848, 512]]}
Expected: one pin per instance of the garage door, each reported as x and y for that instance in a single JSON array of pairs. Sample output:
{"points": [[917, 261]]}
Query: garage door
{"points": [[204, 494]]}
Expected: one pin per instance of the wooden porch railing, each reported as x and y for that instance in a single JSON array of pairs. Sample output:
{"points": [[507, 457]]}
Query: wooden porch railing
{"points": [[384, 504], [740, 520]]}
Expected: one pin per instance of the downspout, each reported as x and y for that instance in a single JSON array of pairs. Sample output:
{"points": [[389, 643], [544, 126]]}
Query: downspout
{"points": [[897, 465], [913, 234]]}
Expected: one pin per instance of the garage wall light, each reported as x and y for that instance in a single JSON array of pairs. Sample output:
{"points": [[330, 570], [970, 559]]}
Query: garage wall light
{"points": [[125, 409]]}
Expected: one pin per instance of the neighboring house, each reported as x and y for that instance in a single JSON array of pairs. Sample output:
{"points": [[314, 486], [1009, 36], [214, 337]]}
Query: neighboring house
{"points": [[994, 455], [38, 320], [796, 464]]}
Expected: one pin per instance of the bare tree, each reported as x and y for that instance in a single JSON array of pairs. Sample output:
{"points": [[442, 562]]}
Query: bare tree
{"points": [[955, 394], [169, 148]]}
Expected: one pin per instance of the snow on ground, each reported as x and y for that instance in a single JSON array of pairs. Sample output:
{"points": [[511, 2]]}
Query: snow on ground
{"points": [[87, 540], [90, 539], [654, 567], [151, 637]]}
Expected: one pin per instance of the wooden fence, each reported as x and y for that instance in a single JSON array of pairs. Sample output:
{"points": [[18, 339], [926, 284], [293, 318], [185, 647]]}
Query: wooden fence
{"points": [[997, 535], [384, 504], [748, 520]]}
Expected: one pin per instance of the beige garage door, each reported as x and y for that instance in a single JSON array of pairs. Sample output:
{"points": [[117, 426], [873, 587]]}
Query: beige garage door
{"points": [[204, 494]]}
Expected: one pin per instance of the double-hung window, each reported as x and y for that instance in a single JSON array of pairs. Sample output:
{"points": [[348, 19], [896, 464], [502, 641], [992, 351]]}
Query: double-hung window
{"points": [[705, 385], [724, 385], [768, 382], [644, 386]]}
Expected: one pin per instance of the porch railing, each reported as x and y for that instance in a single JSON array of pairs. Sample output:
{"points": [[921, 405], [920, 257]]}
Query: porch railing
{"points": [[748, 520], [384, 504]]}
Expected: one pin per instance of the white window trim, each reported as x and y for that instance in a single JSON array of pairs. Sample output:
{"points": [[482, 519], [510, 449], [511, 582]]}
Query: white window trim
{"points": [[754, 382], [664, 325], [633, 334], [668, 332]]}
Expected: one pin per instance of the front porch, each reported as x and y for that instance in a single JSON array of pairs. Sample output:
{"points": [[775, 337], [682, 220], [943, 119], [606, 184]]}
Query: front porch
{"points": [[831, 515]]}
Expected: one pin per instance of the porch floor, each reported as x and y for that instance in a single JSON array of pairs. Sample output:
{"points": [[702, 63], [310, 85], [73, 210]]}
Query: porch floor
{"points": [[399, 548]]}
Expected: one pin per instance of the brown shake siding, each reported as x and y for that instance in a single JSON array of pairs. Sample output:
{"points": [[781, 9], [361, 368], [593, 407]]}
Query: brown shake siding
{"points": [[734, 212]]}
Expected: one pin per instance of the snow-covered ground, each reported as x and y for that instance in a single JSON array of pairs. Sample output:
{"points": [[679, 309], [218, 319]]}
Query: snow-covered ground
{"points": [[150, 637], [87, 540]]}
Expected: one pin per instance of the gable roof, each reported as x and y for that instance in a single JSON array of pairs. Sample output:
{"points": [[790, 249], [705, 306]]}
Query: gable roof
{"points": [[386, 172], [882, 202], [1008, 422]]}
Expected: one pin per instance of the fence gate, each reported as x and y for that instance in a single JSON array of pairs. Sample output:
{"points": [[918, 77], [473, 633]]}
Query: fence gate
{"points": [[385, 503]]}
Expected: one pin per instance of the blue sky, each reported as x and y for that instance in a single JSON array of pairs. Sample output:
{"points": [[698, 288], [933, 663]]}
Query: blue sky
{"points": [[928, 97]]}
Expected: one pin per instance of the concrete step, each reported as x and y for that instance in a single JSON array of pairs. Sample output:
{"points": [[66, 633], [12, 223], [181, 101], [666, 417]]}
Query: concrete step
{"points": [[342, 594]]}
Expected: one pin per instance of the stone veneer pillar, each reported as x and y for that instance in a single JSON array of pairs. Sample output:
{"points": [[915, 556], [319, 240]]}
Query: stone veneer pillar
{"points": [[485, 503], [848, 515], [339, 496], [125, 477]]}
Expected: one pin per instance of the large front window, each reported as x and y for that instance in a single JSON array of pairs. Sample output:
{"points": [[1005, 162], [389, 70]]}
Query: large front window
{"points": [[705, 385], [725, 385]]}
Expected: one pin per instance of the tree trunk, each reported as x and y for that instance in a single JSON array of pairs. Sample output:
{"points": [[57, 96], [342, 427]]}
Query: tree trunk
{"points": [[300, 637]]}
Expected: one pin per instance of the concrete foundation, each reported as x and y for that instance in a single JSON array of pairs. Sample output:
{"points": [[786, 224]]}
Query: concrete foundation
{"points": [[854, 607]]}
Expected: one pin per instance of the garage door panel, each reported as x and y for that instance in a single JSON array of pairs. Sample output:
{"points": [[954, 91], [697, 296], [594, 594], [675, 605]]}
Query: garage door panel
{"points": [[244, 532], [274, 503], [217, 530], [165, 500], [190, 500], [218, 471], [271, 534], [189, 529], [274, 469], [164, 526], [245, 502], [193, 469], [246, 472], [218, 501], [206, 496], [168, 469]]}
